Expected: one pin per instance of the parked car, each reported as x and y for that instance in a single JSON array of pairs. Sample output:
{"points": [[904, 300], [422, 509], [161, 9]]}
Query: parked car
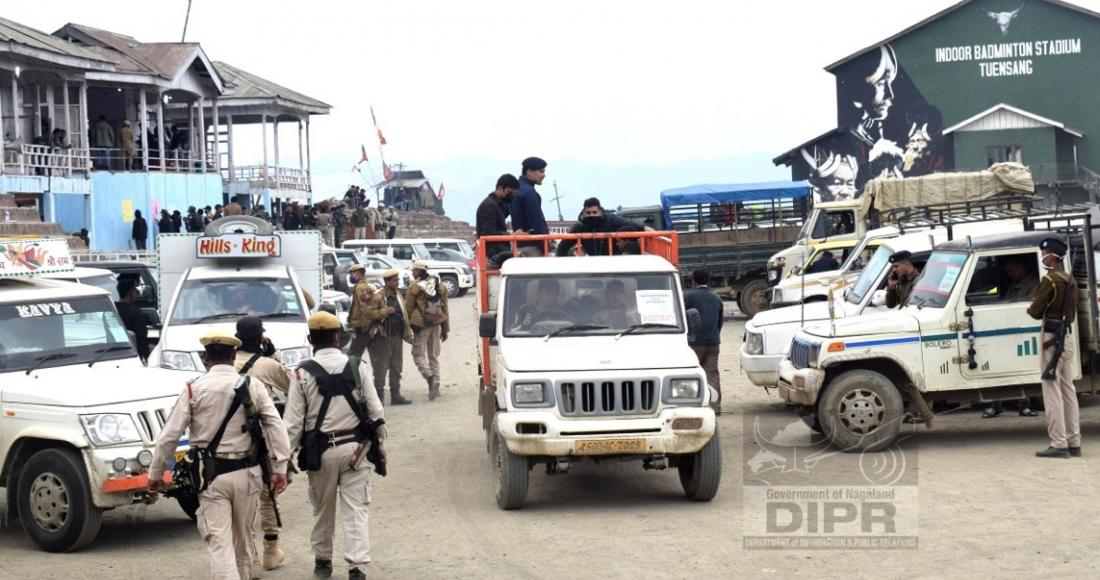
{"points": [[458, 277], [454, 244], [445, 255], [148, 299]]}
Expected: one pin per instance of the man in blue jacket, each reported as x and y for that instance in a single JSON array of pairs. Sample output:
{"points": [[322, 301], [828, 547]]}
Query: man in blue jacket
{"points": [[526, 210]]}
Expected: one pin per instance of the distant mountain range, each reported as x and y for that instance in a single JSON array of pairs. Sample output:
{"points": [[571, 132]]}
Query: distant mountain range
{"points": [[469, 179]]}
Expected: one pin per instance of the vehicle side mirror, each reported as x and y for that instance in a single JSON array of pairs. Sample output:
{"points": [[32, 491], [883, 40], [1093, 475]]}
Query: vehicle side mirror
{"points": [[695, 320], [487, 325], [878, 298]]}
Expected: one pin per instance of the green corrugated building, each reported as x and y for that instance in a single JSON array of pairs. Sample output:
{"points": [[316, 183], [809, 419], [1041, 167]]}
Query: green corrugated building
{"points": [[981, 82]]}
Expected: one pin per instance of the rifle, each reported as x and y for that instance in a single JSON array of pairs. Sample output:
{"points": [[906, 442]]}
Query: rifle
{"points": [[1051, 370], [367, 432], [260, 451]]}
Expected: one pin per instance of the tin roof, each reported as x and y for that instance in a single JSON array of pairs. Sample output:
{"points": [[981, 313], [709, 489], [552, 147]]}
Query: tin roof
{"points": [[249, 86], [13, 32]]}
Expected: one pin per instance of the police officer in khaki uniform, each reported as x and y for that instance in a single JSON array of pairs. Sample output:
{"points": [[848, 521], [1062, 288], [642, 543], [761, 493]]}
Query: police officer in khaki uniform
{"points": [[357, 315], [427, 313], [900, 282], [227, 508], [271, 372], [1059, 395], [344, 468], [388, 331]]}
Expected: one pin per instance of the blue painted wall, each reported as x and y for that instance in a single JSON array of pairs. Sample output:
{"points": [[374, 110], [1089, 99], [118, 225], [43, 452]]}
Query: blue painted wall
{"points": [[172, 191], [68, 211]]}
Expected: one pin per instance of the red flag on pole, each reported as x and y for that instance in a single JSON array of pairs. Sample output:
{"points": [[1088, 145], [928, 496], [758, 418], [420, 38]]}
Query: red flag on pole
{"points": [[387, 174], [381, 138], [442, 191], [373, 118], [363, 149]]}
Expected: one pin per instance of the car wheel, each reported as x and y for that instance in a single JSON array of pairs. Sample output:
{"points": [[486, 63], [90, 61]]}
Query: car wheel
{"points": [[701, 472], [510, 472], [861, 410], [753, 298], [55, 503], [451, 282]]}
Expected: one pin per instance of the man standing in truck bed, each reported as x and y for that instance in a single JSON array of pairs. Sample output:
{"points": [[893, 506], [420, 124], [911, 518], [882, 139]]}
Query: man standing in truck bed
{"points": [[526, 210], [708, 338], [1059, 395]]}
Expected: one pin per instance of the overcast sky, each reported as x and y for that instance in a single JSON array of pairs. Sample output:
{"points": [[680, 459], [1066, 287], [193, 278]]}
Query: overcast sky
{"points": [[606, 82]]}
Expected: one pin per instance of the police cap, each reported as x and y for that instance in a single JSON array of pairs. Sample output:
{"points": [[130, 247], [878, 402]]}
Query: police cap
{"points": [[219, 337], [250, 328], [391, 273], [533, 164], [420, 265], [323, 321], [903, 256], [1053, 245], [356, 268]]}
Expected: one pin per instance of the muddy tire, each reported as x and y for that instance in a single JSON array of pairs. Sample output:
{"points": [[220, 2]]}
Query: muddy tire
{"points": [[753, 298], [451, 282], [510, 472], [701, 472], [189, 504], [861, 410], [55, 503]]}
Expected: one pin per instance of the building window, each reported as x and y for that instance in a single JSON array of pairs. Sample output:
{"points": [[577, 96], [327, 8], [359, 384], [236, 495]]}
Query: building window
{"points": [[1002, 153]]}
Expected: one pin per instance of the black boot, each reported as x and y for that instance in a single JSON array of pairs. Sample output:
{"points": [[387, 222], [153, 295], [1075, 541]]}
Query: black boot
{"points": [[356, 574], [396, 398], [1074, 451], [433, 388], [322, 568], [1053, 452]]}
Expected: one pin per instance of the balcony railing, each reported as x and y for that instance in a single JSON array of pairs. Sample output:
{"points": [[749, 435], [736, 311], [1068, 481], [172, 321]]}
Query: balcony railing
{"points": [[269, 176], [24, 159], [174, 161]]}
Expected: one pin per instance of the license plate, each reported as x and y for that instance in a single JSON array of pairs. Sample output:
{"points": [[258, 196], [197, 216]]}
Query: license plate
{"points": [[609, 446]]}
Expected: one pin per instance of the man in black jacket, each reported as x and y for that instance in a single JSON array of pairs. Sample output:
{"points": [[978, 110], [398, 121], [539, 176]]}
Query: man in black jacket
{"points": [[140, 230], [595, 220], [493, 212], [132, 316], [708, 338]]}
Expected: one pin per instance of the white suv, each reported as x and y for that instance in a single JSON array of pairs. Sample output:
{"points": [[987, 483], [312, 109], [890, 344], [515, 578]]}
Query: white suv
{"points": [[456, 276]]}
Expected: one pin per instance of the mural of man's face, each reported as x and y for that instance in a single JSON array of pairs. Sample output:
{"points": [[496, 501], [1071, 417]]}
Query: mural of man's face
{"points": [[880, 87], [842, 184]]}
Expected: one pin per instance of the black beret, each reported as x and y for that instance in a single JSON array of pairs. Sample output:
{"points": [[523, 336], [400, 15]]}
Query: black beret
{"points": [[533, 164], [1053, 245], [902, 256], [250, 328]]}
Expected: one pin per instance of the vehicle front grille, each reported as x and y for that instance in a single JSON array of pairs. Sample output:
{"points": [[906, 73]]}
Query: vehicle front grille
{"points": [[800, 355], [152, 422], [606, 398]]}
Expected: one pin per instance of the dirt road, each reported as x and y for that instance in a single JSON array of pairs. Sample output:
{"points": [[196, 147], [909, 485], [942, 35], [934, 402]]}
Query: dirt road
{"points": [[987, 507]]}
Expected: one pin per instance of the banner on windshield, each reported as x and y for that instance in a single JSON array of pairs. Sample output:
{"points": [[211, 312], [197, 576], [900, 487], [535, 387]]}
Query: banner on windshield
{"points": [[30, 257], [239, 246]]}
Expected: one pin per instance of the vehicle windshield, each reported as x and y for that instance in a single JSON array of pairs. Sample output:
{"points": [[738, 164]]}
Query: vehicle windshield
{"points": [[465, 249], [346, 260], [540, 305], [71, 331], [936, 282], [108, 282], [808, 225], [866, 281], [202, 301], [420, 251]]}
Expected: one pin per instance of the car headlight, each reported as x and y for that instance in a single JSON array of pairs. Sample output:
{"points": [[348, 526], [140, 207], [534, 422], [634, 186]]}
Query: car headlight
{"points": [[110, 429], [293, 357], [683, 389], [529, 393], [773, 275], [754, 343], [178, 360]]}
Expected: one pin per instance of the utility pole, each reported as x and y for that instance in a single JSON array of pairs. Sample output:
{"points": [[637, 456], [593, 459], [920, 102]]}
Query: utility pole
{"points": [[557, 198], [185, 21], [400, 169]]}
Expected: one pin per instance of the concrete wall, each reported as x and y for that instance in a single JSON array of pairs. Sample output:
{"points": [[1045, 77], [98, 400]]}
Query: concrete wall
{"points": [[114, 192]]}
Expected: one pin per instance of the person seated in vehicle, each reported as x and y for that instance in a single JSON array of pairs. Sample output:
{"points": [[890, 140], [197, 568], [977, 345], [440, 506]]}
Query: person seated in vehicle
{"points": [[545, 307], [628, 246], [594, 220], [615, 312], [900, 282], [825, 262], [1023, 282]]}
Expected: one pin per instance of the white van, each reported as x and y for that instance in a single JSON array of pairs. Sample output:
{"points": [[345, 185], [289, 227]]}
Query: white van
{"points": [[456, 276], [461, 246], [97, 277]]}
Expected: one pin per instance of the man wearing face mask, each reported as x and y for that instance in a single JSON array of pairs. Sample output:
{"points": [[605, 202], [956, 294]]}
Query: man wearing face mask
{"points": [[493, 212], [594, 220], [1054, 307]]}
